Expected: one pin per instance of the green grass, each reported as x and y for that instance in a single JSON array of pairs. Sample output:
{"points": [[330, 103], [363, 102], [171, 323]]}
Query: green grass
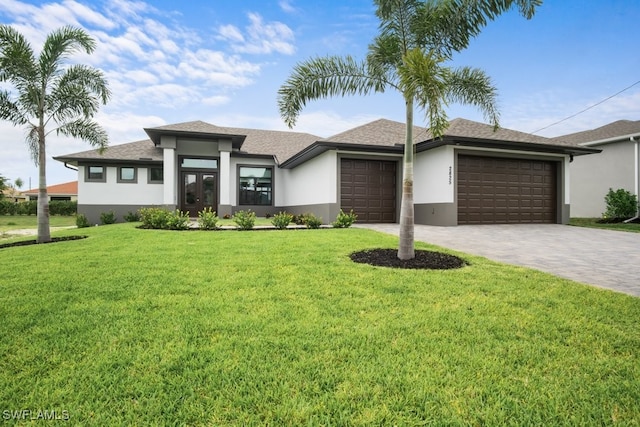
{"points": [[17, 222], [593, 223], [146, 327]]}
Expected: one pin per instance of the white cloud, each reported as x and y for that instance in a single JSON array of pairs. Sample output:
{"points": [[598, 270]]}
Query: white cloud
{"points": [[261, 38], [286, 6]]}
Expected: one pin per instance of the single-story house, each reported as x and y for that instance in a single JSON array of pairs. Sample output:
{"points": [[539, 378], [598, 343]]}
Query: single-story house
{"points": [[65, 191], [472, 175], [618, 166]]}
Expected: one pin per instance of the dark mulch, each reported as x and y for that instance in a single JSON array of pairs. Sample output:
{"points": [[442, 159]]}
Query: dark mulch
{"points": [[424, 259], [35, 242], [616, 220]]}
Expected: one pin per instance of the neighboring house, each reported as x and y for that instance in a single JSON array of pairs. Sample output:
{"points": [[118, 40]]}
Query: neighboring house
{"points": [[14, 195], [471, 175], [616, 167], [64, 191]]}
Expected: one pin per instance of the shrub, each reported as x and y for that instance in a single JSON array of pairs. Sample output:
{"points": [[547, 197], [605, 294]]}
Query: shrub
{"points": [[27, 208], [244, 220], [178, 220], [132, 217], [312, 221], [620, 204], [63, 207], [156, 218], [8, 207], [344, 220], [108, 217], [82, 221], [208, 219], [281, 220]]}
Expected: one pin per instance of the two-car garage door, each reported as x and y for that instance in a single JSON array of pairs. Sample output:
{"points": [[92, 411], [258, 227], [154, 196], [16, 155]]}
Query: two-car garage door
{"points": [[491, 190], [501, 190]]}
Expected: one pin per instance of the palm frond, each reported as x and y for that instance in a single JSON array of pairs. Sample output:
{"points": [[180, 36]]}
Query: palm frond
{"points": [[473, 86], [424, 79], [17, 61], [59, 45], [325, 77], [32, 140], [88, 131], [10, 110]]}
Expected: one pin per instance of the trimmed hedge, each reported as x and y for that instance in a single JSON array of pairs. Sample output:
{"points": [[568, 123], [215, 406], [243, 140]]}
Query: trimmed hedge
{"points": [[56, 207]]}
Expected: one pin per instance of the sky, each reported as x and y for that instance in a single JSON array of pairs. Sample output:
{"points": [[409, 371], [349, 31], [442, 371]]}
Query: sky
{"points": [[222, 62]]}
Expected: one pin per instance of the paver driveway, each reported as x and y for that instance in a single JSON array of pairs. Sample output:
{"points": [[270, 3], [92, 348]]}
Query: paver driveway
{"points": [[605, 258]]}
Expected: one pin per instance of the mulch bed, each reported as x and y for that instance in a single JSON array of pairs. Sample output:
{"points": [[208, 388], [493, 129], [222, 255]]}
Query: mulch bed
{"points": [[427, 260], [35, 242]]}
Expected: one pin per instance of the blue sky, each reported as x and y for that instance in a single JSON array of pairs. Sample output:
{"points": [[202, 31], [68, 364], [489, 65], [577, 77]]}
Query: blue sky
{"points": [[223, 62]]}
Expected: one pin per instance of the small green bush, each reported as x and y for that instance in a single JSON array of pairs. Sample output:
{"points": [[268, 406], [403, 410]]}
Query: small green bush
{"points": [[281, 220], [621, 204], [178, 220], [27, 208], [344, 220], [108, 218], [82, 221], [245, 220], [155, 218], [132, 217], [208, 219], [311, 221]]}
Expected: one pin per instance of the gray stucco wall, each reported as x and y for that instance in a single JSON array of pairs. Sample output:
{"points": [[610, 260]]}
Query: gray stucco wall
{"points": [[594, 174]]}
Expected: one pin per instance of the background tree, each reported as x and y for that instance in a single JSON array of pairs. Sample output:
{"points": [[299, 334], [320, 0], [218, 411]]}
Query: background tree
{"points": [[3, 186], [18, 183], [409, 55], [50, 95]]}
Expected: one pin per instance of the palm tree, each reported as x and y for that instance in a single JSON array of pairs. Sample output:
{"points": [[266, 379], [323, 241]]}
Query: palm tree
{"points": [[49, 95], [409, 54]]}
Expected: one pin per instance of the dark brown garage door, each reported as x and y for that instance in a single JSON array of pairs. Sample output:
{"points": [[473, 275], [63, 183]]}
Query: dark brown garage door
{"points": [[369, 188], [496, 190]]}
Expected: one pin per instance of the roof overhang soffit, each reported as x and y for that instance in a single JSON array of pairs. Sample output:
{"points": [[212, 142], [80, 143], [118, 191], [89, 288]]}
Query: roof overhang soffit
{"points": [[156, 134], [505, 145]]}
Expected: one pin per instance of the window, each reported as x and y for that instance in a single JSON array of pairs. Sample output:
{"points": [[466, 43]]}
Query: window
{"points": [[256, 186], [95, 174], [156, 175], [127, 174], [199, 163]]}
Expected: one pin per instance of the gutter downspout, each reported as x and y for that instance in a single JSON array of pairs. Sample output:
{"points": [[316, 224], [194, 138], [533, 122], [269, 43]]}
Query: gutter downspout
{"points": [[636, 158]]}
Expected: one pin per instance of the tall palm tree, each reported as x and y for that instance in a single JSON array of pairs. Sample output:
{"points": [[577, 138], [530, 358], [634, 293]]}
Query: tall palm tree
{"points": [[409, 54], [50, 95]]}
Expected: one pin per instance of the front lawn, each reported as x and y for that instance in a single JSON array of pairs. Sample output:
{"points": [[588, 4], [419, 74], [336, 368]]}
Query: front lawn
{"points": [[16, 222], [593, 223], [148, 327]]}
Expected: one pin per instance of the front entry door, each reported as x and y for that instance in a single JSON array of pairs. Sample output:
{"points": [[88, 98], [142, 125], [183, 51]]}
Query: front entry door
{"points": [[198, 192]]}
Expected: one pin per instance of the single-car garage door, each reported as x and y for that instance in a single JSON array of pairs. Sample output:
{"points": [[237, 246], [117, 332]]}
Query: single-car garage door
{"points": [[500, 190], [369, 188]]}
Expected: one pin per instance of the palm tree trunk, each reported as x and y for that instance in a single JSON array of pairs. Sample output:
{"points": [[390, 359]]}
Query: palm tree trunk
{"points": [[407, 219], [44, 234]]}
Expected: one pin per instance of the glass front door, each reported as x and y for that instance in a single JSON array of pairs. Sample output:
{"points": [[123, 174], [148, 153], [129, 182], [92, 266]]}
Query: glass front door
{"points": [[198, 192]]}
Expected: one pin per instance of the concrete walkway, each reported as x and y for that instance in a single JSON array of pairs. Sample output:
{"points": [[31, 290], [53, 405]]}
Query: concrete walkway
{"points": [[605, 258]]}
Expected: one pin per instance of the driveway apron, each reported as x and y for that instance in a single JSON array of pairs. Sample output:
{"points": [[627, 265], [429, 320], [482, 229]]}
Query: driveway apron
{"points": [[604, 258]]}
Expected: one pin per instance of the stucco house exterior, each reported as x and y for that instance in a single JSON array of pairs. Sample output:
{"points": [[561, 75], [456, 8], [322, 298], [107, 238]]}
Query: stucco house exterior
{"points": [[472, 175], [616, 167]]}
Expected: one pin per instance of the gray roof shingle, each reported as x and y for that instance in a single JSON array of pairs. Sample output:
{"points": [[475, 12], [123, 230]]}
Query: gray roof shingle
{"points": [[612, 130], [138, 150]]}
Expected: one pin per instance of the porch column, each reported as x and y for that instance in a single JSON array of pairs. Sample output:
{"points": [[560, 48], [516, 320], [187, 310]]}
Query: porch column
{"points": [[170, 172], [224, 177]]}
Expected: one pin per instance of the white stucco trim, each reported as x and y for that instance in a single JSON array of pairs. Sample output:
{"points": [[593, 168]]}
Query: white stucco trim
{"points": [[225, 178], [170, 176]]}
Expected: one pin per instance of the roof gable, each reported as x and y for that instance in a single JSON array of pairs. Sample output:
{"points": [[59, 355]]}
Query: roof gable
{"points": [[620, 128]]}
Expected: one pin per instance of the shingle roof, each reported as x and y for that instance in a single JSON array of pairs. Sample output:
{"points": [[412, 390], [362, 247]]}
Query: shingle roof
{"points": [[389, 133], [379, 132], [138, 150], [612, 130], [66, 188], [280, 144]]}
